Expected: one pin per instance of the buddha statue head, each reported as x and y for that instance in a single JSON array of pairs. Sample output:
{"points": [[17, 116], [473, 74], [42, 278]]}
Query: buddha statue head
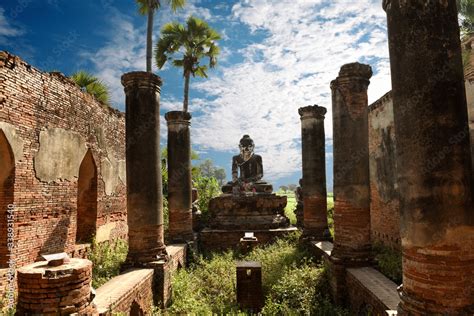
{"points": [[246, 147]]}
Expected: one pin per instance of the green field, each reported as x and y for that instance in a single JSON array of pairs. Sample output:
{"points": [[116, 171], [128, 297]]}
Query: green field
{"points": [[291, 205]]}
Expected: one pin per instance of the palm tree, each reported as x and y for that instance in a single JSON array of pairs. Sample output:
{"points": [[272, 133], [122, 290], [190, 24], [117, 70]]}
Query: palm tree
{"points": [[148, 7], [92, 85], [195, 40]]}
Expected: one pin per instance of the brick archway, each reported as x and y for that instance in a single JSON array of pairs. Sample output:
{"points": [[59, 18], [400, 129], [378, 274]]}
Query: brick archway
{"points": [[86, 199], [7, 182], [136, 310]]}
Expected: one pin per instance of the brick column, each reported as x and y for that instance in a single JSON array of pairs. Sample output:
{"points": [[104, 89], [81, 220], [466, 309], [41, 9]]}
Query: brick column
{"points": [[351, 163], [144, 192], [434, 160], [314, 172], [179, 176]]}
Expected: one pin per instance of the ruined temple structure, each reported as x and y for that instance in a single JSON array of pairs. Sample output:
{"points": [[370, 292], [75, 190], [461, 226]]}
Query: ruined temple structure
{"points": [[247, 205], [416, 167], [403, 177], [62, 166], [63, 181]]}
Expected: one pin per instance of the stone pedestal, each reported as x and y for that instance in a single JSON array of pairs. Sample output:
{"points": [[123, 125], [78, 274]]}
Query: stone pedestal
{"points": [[265, 211], [314, 172], [433, 156], [144, 191], [231, 216], [179, 177], [61, 290], [351, 164]]}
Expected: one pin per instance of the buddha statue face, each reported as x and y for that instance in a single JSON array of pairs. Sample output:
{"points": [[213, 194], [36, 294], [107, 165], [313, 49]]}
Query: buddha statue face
{"points": [[246, 147]]}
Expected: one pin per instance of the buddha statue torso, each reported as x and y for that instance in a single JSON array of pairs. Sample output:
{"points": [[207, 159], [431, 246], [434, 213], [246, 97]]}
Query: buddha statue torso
{"points": [[247, 171]]}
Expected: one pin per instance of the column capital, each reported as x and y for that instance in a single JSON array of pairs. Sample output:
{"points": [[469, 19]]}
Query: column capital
{"points": [[178, 117], [415, 4], [141, 80], [312, 111], [353, 72]]}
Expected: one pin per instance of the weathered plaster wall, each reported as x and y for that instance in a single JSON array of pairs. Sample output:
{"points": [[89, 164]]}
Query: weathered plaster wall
{"points": [[50, 123], [384, 205]]}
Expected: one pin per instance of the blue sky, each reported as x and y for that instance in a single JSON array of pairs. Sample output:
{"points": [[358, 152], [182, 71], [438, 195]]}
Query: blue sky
{"points": [[276, 56]]}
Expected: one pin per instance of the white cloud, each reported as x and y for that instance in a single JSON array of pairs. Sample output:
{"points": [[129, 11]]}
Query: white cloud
{"points": [[306, 45], [7, 30], [125, 49]]}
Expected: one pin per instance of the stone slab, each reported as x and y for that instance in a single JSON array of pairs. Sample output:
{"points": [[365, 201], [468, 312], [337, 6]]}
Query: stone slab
{"points": [[371, 288]]}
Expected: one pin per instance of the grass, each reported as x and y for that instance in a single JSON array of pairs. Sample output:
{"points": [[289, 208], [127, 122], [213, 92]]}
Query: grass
{"points": [[292, 284], [107, 259], [389, 262], [290, 205]]}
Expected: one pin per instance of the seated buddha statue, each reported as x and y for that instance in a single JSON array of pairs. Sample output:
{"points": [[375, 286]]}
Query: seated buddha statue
{"points": [[247, 171]]}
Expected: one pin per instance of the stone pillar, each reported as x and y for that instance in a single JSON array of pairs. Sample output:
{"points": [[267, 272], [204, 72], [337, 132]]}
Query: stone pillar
{"points": [[433, 156], [314, 172], [351, 164], [144, 191], [179, 177]]}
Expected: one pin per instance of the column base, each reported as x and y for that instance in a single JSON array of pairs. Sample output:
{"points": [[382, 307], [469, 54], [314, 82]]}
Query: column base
{"points": [[316, 234], [411, 305], [353, 257]]}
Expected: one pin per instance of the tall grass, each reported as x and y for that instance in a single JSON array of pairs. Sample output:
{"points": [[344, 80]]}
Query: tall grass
{"points": [[107, 259], [292, 284]]}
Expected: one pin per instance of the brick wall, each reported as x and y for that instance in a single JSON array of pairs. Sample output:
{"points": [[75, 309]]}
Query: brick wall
{"points": [[50, 125], [130, 293], [384, 205]]}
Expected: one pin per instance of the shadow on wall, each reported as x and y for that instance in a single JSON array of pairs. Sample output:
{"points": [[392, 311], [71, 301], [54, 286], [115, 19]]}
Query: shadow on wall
{"points": [[56, 241], [7, 183]]}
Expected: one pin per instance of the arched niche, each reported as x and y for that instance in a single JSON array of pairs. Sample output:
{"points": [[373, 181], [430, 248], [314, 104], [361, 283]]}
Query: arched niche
{"points": [[86, 199], [7, 183]]}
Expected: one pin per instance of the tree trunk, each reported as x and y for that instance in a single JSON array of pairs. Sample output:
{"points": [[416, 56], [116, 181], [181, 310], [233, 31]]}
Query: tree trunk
{"points": [[149, 37], [186, 91]]}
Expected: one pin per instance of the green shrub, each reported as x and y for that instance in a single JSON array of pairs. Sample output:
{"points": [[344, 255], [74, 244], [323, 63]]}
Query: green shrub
{"points": [[107, 259], [389, 262], [274, 258], [208, 287], [292, 284], [331, 221], [208, 188], [302, 290]]}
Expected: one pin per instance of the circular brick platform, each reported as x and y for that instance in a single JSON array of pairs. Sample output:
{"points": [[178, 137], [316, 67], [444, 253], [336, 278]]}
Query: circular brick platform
{"points": [[62, 290]]}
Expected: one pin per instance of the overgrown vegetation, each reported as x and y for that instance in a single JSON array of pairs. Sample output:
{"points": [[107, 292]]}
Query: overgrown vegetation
{"points": [[290, 204], [107, 258], [389, 262], [292, 284]]}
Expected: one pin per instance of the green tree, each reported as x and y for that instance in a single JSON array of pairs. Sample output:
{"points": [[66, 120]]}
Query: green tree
{"points": [[92, 85], [207, 168], [466, 15], [195, 40], [220, 175], [148, 7], [284, 188]]}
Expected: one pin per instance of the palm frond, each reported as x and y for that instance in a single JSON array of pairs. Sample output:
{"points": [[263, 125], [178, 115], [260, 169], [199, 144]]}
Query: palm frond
{"points": [[145, 5], [176, 4], [92, 85], [200, 71]]}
